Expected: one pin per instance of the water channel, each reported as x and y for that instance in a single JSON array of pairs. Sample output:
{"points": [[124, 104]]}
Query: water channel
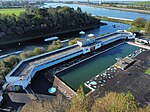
{"points": [[103, 11]]}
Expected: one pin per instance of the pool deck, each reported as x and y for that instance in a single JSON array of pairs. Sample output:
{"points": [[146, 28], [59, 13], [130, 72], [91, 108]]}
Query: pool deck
{"points": [[133, 79], [139, 45]]}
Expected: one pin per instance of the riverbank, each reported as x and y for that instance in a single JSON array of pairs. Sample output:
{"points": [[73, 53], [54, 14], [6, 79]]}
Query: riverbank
{"points": [[118, 8], [32, 37], [118, 20]]}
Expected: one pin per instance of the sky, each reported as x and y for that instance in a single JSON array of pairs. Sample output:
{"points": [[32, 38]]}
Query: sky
{"points": [[106, 0]]}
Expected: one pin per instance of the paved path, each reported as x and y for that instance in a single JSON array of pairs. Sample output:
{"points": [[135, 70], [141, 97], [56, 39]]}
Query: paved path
{"points": [[139, 45]]}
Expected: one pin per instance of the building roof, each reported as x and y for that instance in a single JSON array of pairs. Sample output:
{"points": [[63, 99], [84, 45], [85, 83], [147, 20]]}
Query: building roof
{"points": [[124, 63], [86, 39]]}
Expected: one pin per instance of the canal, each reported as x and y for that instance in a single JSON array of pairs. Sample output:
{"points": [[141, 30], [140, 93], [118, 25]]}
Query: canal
{"points": [[103, 11], [29, 45], [81, 73]]}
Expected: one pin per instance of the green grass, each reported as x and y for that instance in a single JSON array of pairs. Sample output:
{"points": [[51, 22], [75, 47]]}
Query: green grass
{"points": [[16, 11], [141, 3], [114, 20], [148, 71]]}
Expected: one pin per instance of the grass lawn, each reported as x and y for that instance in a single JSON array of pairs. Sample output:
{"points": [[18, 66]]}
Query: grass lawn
{"points": [[148, 71], [142, 3], [114, 20], [16, 11]]}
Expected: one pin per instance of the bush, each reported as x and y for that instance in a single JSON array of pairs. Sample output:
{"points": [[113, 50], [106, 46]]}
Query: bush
{"points": [[55, 45], [25, 55], [74, 41], [133, 29], [147, 28], [58, 104], [2, 74], [50, 48], [139, 22], [38, 50], [115, 102], [10, 61]]}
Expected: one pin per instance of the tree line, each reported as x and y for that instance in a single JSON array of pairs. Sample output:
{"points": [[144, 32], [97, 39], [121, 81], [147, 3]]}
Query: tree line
{"points": [[111, 102], [19, 4], [36, 21], [141, 24]]}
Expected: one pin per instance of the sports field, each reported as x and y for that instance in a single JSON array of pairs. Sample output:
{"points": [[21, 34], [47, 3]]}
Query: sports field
{"points": [[16, 11]]}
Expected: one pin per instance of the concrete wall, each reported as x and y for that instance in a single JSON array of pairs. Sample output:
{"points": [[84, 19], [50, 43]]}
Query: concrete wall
{"points": [[98, 45], [62, 87], [113, 40], [86, 50]]}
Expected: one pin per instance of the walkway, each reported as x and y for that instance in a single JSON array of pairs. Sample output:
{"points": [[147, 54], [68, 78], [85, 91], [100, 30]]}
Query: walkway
{"points": [[139, 45]]}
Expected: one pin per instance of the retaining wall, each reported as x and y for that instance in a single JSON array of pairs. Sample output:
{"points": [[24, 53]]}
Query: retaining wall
{"points": [[62, 87]]}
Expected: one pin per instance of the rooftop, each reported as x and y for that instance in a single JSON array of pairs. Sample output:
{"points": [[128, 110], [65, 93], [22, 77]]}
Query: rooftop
{"points": [[124, 63], [27, 67]]}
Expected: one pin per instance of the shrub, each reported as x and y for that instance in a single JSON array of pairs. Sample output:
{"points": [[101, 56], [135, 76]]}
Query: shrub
{"points": [[139, 22], [115, 102], [59, 104], [147, 28], [133, 29], [10, 61], [38, 50], [25, 55], [101, 34], [55, 45], [74, 41]]}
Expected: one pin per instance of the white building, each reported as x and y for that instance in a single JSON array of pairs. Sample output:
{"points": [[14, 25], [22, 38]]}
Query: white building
{"points": [[23, 73], [85, 42]]}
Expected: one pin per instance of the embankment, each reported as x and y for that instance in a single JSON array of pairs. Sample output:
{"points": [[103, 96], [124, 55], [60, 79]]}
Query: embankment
{"points": [[118, 8]]}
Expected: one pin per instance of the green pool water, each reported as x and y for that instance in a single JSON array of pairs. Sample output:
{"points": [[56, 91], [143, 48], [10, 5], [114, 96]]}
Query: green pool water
{"points": [[83, 72]]}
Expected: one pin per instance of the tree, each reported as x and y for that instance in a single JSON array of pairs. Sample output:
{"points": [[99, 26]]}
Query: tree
{"points": [[115, 102], [79, 9], [80, 102], [59, 104], [36, 21], [147, 28], [145, 109], [139, 22], [10, 61]]}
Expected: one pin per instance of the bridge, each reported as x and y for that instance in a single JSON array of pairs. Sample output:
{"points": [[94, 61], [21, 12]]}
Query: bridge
{"points": [[23, 73]]}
